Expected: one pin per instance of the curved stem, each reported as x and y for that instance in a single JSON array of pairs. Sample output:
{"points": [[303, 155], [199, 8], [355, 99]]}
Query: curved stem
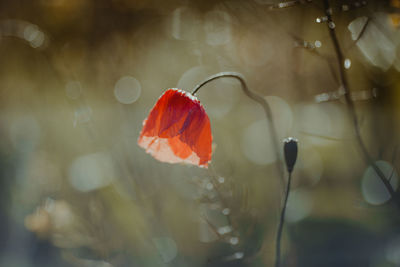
{"points": [[256, 98], [350, 104], [281, 222]]}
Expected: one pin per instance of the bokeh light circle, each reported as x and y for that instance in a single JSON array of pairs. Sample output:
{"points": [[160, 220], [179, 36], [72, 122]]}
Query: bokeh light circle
{"points": [[127, 90], [373, 189]]}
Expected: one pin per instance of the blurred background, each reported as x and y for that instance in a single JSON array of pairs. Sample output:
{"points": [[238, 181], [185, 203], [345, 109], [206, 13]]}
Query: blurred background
{"points": [[78, 77]]}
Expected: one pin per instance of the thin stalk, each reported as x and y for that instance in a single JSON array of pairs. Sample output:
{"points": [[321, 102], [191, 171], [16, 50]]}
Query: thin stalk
{"points": [[281, 222], [256, 98], [350, 104]]}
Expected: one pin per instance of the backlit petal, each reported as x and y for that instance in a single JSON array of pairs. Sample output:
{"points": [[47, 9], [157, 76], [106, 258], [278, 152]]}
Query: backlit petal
{"points": [[177, 130]]}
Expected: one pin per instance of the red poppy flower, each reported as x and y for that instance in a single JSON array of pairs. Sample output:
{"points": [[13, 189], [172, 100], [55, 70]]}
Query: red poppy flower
{"points": [[177, 130]]}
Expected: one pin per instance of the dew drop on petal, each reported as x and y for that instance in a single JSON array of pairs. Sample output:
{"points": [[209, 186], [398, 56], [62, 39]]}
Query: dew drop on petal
{"points": [[317, 43], [127, 90], [221, 180], [331, 25]]}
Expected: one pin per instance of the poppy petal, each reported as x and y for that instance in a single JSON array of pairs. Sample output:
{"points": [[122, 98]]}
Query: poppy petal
{"points": [[177, 130]]}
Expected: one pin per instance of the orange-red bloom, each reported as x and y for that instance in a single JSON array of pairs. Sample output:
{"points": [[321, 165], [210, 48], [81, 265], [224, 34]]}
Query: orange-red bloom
{"points": [[177, 130]]}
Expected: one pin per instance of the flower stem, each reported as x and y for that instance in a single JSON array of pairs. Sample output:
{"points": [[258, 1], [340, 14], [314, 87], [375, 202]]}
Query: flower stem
{"points": [[281, 222], [350, 105], [261, 100]]}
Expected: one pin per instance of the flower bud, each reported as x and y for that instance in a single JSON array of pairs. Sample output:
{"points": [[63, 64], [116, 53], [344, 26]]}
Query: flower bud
{"points": [[290, 151]]}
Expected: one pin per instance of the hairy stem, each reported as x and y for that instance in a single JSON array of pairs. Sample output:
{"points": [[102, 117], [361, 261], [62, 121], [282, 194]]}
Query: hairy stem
{"points": [[350, 104], [281, 222], [256, 98]]}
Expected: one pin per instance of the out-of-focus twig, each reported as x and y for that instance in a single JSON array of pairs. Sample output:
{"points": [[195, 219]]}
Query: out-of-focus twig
{"points": [[350, 104]]}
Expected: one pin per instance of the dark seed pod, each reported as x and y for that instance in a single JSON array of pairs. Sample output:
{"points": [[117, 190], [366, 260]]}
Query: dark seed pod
{"points": [[290, 151]]}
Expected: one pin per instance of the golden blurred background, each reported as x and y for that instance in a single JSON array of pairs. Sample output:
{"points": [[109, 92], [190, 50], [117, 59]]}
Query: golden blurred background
{"points": [[78, 77]]}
